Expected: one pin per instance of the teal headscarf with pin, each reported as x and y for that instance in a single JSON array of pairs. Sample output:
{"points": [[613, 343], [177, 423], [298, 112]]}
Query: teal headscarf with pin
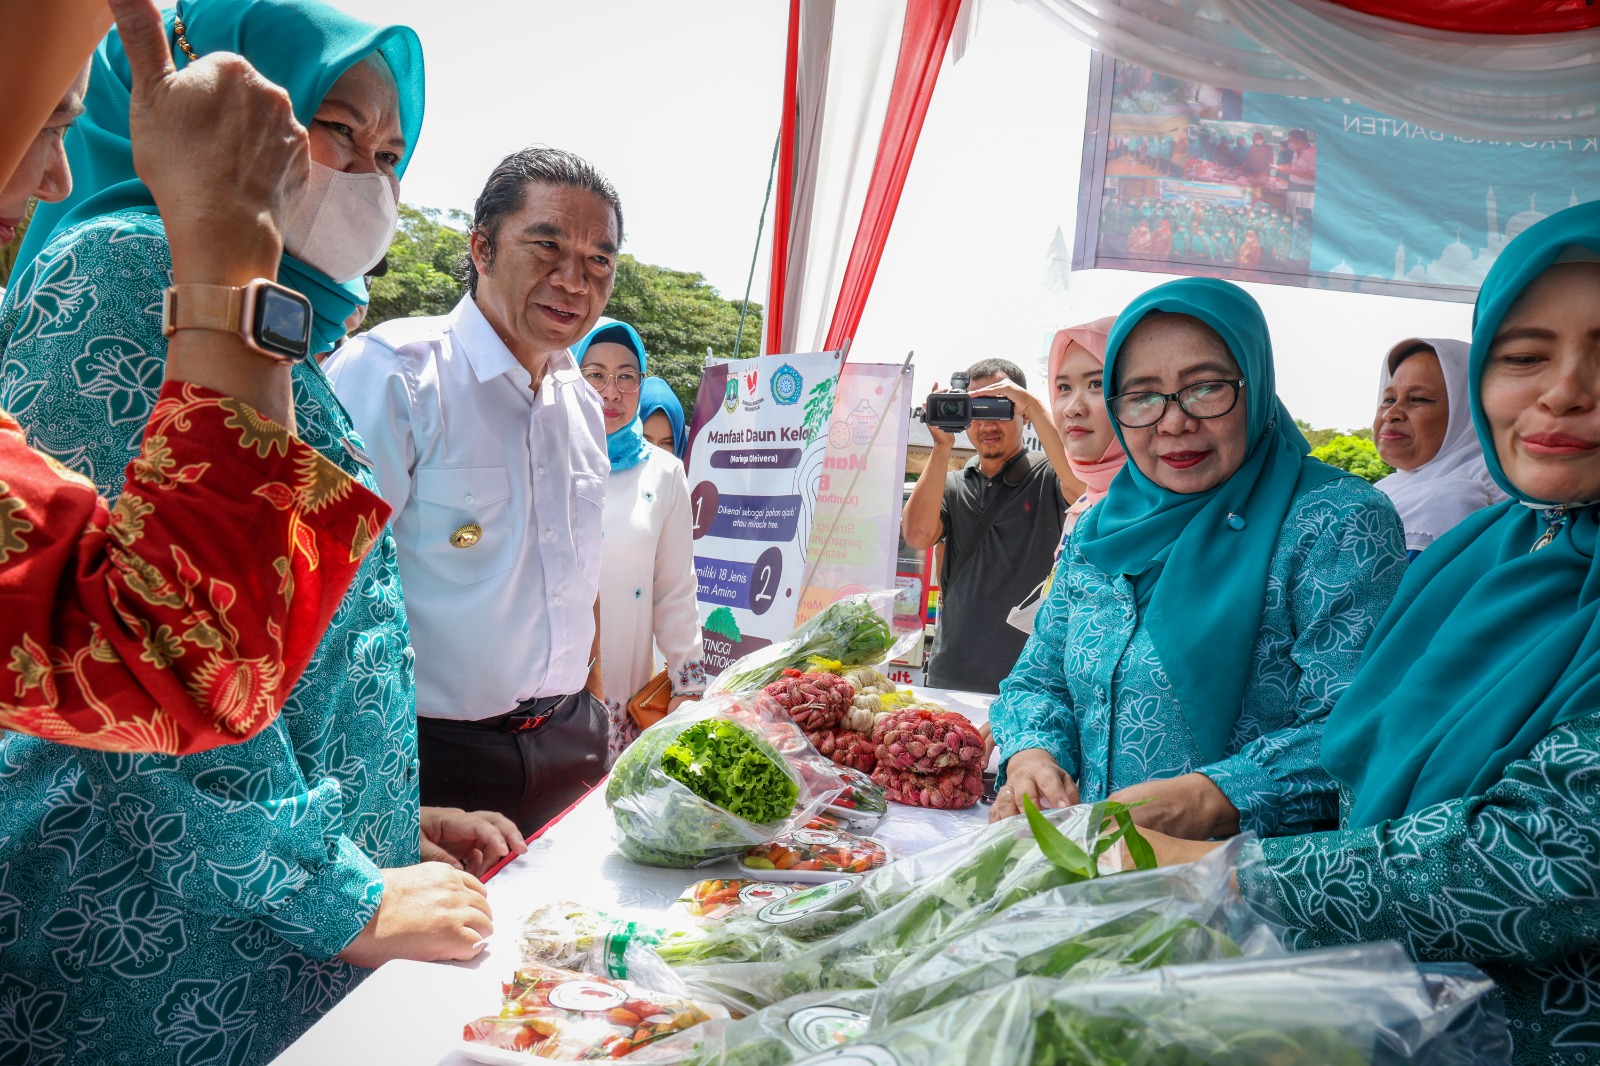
{"points": [[1490, 643], [303, 46], [1198, 561]]}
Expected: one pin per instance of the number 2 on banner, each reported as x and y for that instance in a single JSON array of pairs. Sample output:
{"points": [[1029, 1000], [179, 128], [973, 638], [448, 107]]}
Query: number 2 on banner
{"points": [[765, 592]]}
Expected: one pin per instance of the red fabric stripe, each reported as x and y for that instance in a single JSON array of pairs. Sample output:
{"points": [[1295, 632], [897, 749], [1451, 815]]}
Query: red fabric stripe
{"points": [[1486, 16], [783, 211], [926, 35]]}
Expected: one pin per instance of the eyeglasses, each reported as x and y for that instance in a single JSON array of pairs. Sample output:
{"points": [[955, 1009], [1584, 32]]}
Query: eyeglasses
{"points": [[1203, 399], [626, 380]]}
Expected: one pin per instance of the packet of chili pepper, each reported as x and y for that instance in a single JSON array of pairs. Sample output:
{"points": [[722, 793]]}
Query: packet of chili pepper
{"points": [[567, 1015], [719, 898], [820, 852]]}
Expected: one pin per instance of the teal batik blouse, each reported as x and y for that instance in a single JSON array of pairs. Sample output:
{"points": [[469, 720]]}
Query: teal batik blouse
{"points": [[1090, 689], [157, 909]]}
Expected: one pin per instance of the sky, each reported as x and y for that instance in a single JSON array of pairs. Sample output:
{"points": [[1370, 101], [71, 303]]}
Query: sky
{"points": [[679, 103]]}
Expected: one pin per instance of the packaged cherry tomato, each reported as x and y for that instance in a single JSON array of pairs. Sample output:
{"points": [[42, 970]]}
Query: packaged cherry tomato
{"points": [[563, 1014], [823, 851], [718, 898]]}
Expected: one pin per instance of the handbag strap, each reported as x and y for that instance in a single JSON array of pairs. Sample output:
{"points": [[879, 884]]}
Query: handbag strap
{"points": [[986, 517]]}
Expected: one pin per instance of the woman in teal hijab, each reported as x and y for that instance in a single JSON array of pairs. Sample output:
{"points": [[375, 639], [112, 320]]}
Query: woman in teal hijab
{"points": [[1468, 746], [647, 579], [661, 416], [203, 909], [1209, 611]]}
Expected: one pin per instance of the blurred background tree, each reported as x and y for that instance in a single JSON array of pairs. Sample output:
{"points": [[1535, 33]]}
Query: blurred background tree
{"points": [[677, 313], [1356, 454]]}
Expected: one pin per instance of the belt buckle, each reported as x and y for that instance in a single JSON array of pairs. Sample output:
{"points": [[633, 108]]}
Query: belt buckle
{"points": [[527, 725]]}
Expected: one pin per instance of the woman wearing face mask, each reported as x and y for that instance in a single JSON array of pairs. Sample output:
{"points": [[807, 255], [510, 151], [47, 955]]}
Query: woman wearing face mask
{"points": [[213, 906], [647, 579], [1468, 747], [1423, 429], [1076, 367], [661, 417], [1209, 611]]}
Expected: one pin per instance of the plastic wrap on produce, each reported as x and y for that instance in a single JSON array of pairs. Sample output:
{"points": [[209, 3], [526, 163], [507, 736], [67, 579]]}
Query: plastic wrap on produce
{"points": [[714, 778], [1139, 920], [857, 630], [863, 936], [1361, 1006]]}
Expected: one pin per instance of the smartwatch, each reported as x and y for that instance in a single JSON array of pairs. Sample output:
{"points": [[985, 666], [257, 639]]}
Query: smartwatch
{"points": [[273, 321]]}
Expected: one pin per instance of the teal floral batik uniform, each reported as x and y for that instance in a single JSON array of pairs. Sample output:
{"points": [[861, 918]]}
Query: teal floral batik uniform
{"points": [[1468, 746], [1209, 632], [190, 910]]}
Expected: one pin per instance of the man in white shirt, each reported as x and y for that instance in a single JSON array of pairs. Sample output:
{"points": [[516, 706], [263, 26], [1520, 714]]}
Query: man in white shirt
{"points": [[490, 447]]}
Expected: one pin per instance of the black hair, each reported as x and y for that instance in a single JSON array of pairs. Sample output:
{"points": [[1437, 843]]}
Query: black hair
{"points": [[998, 368], [503, 194]]}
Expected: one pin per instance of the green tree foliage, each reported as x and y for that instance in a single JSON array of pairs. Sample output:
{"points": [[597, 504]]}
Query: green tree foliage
{"points": [[422, 260], [679, 315], [1355, 454]]}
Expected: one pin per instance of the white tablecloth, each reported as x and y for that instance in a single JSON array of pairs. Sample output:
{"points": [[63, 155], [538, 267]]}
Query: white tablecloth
{"points": [[411, 1013]]}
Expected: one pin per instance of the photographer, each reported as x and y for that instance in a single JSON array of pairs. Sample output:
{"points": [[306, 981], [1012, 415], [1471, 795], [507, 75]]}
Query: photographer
{"points": [[1000, 520]]}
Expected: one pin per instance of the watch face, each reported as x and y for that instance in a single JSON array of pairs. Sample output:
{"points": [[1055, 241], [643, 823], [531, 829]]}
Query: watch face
{"points": [[283, 322]]}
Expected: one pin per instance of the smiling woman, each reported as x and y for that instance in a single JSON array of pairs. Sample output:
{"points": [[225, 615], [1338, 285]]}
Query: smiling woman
{"points": [[1210, 610]]}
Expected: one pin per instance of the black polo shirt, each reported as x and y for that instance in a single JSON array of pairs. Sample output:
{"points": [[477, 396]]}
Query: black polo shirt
{"points": [[974, 647]]}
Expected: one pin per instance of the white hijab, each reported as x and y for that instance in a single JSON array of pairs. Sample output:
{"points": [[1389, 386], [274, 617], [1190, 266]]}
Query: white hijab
{"points": [[1453, 484]]}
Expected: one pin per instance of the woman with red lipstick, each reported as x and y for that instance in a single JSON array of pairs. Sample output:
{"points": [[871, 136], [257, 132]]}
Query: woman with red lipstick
{"points": [[1206, 613], [1423, 429], [1467, 749], [647, 580]]}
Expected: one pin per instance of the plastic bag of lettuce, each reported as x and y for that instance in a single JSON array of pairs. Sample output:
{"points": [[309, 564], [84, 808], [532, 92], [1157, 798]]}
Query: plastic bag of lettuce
{"points": [[708, 782]]}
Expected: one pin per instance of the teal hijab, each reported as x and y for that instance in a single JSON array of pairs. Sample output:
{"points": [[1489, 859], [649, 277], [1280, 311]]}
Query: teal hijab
{"points": [[302, 45], [657, 395], [1489, 645], [1198, 562], [626, 446]]}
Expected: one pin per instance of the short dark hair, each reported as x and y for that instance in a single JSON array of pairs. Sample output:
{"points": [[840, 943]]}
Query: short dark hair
{"points": [[503, 194], [998, 368]]}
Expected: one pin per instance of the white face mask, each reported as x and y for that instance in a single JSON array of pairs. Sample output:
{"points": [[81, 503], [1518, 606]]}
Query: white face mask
{"points": [[343, 224]]}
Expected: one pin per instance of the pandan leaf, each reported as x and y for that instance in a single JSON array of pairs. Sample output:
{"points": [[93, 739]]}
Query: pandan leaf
{"points": [[1062, 853]]}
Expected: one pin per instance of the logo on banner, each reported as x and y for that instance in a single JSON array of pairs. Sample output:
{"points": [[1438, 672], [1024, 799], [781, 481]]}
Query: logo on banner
{"points": [[786, 385], [731, 404]]}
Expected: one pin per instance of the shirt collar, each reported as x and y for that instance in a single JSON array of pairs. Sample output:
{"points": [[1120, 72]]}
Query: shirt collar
{"points": [[488, 354], [1006, 472]]}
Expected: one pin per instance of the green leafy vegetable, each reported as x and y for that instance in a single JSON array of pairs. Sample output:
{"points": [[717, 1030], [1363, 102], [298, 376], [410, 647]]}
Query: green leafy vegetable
{"points": [[723, 763], [849, 631]]}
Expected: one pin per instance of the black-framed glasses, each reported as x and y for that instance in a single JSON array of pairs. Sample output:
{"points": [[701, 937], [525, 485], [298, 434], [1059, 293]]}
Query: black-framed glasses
{"points": [[1203, 399], [626, 380]]}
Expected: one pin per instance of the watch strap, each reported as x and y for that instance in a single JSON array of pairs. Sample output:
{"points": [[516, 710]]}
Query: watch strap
{"points": [[209, 307]]}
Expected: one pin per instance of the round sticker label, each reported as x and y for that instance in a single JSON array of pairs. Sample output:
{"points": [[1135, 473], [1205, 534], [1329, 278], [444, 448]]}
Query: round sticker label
{"points": [[853, 1055], [803, 903], [816, 836], [759, 893], [586, 996], [822, 1028]]}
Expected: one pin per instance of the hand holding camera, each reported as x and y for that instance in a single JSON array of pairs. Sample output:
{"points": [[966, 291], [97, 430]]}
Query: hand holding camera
{"points": [[954, 410]]}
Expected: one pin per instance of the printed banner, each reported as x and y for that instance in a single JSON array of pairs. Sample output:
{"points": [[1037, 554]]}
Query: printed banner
{"points": [[1184, 178], [757, 446], [855, 536]]}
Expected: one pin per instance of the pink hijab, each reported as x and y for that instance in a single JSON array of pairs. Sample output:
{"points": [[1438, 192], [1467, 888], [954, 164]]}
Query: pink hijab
{"points": [[1095, 476]]}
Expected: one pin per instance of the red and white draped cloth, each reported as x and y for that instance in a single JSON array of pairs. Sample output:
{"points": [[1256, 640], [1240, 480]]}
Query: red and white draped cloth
{"points": [[860, 75]]}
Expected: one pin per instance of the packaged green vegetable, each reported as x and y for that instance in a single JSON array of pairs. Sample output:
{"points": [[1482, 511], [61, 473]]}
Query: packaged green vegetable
{"points": [[856, 630], [1003, 865], [1358, 1006], [709, 781]]}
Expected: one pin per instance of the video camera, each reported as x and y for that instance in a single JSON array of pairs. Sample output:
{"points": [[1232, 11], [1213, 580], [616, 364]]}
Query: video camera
{"points": [[955, 410]]}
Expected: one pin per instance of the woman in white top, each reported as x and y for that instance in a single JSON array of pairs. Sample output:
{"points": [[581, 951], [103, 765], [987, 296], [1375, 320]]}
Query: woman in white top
{"points": [[647, 579], [1423, 429]]}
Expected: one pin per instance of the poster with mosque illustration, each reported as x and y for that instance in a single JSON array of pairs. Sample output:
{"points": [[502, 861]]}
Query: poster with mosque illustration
{"points": [[1185, 178]]}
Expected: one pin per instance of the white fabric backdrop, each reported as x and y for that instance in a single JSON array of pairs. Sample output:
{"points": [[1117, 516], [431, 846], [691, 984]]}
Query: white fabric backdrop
{"points": [[1476, 85]]}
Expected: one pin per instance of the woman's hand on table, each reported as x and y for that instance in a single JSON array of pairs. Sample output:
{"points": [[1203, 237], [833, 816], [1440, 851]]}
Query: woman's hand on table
{"points": [[429, 913], [1190, 807], [988, 741], [473, 841], [1033, 772], [1171, 851]]}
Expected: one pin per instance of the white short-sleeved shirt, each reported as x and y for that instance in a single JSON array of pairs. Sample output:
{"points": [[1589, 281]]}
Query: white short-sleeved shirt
{"points": [[459, 439]]}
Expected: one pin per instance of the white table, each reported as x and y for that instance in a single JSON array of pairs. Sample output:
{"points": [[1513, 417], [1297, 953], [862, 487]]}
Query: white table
{"points": [[411, 1013]]}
